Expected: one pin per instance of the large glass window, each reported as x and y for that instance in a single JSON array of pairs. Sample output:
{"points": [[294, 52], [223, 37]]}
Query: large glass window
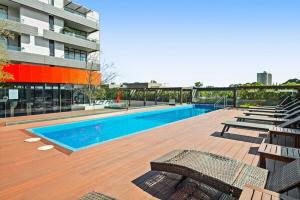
{"points": [[51, 2], [51, 47], [51, 23], [83, 56], [75, 54], [3, 12]]}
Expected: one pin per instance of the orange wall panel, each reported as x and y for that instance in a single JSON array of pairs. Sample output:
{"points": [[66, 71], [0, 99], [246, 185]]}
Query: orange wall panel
{"points": [[24, 73]]}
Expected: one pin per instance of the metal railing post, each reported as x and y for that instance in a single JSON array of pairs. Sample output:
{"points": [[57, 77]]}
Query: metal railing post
{"points": [[145, 91], [181, 97], [234, 98]]}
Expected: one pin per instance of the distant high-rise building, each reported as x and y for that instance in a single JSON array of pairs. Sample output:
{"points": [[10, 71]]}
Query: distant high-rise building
{"points": [[264, 78]]}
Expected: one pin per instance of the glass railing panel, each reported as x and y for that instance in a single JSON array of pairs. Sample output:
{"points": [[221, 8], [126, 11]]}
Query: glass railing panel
{"points": [[75, 58], [262, 97], [80, 14], [13, 48], [8, 17], [78, 36]]}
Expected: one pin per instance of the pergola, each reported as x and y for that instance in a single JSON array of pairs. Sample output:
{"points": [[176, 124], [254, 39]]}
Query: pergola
{"points": [[193, 91]]}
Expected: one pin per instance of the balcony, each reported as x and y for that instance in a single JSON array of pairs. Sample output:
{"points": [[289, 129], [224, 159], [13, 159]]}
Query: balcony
{"points": [[83, 44], [83, 23], [79, 36], [75, 58], [15, 24], [17, 55], [4, 16], [77, 9], [13, 48]]}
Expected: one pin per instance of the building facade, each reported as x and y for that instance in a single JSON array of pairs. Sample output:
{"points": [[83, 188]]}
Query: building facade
{"points": [[54, 51], [264, 78], [151, 84]]}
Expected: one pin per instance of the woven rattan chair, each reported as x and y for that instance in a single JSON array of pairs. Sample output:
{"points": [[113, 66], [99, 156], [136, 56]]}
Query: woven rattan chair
{"points": [[225, 174]]}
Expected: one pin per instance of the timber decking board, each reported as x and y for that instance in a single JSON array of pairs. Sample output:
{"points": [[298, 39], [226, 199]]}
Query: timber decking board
{"points": [[110, 168]]}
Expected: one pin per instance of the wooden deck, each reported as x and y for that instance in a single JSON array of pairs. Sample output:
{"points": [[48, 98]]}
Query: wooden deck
{"points": [[119, 168]]}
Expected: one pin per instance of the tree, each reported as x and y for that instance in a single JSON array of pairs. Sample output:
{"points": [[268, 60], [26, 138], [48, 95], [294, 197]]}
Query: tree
{"points": [[92, 83], [108, 73], [293, 81], [4, 60], [92, 90], [198, 84]]}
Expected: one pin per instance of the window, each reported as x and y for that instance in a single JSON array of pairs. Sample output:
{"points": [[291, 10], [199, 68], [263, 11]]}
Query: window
{"points": [[51, 48], [83, 56], [51, 23], [72, 54], [3, 12], [51, 2], [75, 54]]}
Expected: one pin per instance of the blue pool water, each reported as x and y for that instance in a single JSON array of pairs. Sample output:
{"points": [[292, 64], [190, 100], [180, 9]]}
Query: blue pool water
{"points": [[79, 135]]}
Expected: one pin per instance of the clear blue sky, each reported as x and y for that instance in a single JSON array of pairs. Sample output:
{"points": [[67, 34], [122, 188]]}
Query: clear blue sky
{"points": [[217, 42]]}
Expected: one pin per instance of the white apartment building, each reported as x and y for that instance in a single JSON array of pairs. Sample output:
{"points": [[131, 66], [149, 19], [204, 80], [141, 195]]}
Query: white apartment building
{"points": [[55, 47]]}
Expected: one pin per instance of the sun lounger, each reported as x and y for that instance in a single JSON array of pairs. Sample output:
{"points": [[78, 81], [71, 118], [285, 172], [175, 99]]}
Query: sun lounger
{"points": [[274, 114], [276, 152], [225, 174], [266, 110], [282, 105], [282, 110], [256, 126], [266, 114], [95, 196], [275, 121]]}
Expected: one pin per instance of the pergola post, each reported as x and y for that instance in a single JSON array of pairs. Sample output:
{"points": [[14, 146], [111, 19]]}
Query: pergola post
{"points": [[155, 97], [145, 92], [191, 96], [234, 97], [129, 98], [181, 97]]}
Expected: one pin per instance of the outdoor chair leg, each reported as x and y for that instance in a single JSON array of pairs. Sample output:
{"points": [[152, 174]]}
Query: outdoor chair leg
{"points": [[297, 141], [224, 129], [227, 128], [262, 161], [271, 138]]}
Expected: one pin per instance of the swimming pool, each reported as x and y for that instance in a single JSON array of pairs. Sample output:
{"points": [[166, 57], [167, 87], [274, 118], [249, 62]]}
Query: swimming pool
{"points": [[79, 135]]}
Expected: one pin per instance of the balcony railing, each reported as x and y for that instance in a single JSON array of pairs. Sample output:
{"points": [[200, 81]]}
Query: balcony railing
{"points": [[79, 36], [8, 17], [14, 48], [80, 14], [75, 58]]}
